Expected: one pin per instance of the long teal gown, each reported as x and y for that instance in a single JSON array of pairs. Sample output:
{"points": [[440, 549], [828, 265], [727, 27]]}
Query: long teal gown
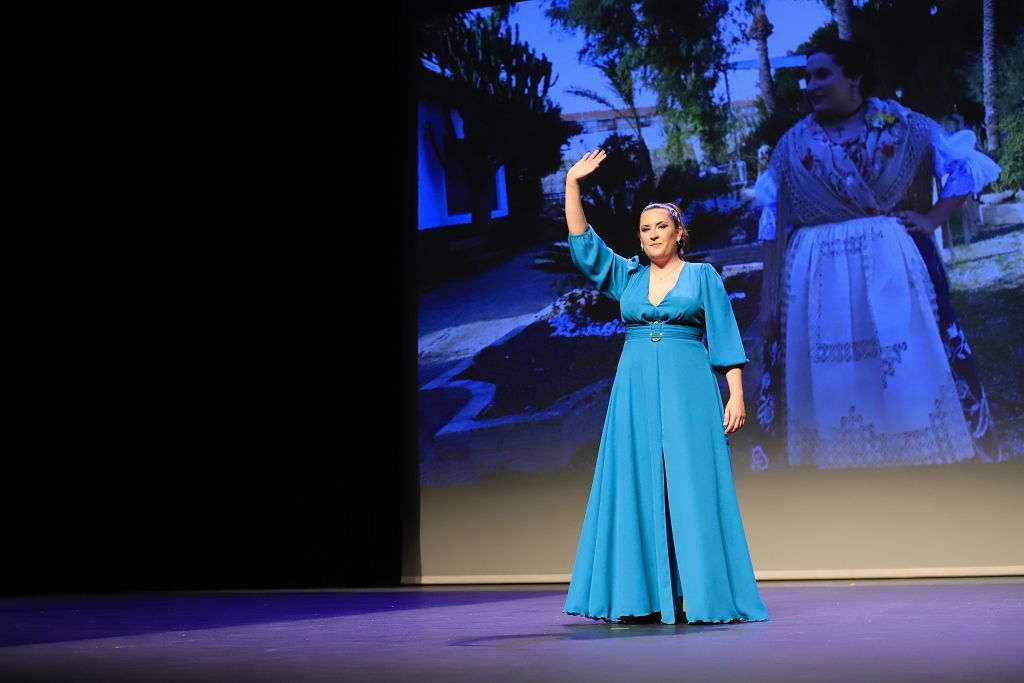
{"points": [[662, 520]]}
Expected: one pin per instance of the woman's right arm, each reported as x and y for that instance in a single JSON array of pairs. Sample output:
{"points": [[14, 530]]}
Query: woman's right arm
{"points": [[766, 195], [607, 270], [574, 215]]}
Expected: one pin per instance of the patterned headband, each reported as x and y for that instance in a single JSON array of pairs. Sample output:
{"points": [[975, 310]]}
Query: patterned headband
{"points": [[668, 208]]}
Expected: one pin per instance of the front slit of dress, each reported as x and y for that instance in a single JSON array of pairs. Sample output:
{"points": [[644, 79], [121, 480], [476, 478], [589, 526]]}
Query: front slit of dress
{"points": [[677, 589], [665, 598]]}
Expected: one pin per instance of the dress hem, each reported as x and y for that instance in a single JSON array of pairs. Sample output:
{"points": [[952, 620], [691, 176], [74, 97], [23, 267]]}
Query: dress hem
{"points": [[685, 621]]}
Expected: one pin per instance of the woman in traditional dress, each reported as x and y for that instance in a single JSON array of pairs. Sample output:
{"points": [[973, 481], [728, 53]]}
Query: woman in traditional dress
{"points": [[864, 356], [662, 533]]}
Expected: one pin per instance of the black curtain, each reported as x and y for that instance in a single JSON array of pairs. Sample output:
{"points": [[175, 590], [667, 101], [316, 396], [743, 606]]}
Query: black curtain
{"points": [[209, 337]]}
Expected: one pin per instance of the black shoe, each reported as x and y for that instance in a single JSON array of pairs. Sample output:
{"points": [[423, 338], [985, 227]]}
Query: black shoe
{"points": [[644, 619]]}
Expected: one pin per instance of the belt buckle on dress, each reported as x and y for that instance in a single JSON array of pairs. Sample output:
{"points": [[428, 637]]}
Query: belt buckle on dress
{"points": [[661, 327]]}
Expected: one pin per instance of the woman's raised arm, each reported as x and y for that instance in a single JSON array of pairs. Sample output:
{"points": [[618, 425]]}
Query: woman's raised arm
{"points": [[574, 215], [607, 270]]}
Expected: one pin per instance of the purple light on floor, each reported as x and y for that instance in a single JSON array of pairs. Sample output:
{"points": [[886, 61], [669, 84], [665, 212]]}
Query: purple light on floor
{"points": [[865, 631]]}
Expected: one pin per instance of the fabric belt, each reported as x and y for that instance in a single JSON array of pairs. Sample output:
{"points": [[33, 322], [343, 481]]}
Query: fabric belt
{"points": [[658, 329]]}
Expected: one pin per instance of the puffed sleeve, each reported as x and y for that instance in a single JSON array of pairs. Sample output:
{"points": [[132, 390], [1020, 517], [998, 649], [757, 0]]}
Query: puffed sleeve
{"points": [[725, 346], [607, 270], [968, 169]]}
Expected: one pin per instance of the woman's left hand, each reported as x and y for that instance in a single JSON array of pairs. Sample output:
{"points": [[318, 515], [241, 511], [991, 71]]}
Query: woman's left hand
{"points": [[735, 415], [914, 222]]}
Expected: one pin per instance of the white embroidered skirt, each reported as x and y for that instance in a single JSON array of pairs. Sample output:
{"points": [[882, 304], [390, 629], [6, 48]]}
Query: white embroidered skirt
{"points": [[867, 382]]}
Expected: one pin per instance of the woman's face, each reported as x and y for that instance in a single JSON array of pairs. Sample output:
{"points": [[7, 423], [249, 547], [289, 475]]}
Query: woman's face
{"points": [[828, 88], [658, 233]]}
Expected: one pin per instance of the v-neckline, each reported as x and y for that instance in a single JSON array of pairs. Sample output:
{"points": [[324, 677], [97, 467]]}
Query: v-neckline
{"points": [[671, 289]]}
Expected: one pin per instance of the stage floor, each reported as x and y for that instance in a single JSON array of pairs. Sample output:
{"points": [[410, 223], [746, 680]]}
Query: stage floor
{"points": [[867, 631]]}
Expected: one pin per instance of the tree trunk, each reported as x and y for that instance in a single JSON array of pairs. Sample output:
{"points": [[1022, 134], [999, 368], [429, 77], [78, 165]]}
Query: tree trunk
{"points": [[844, 10], [480, 202], [645, 158], [760, 29], [988, 50], [969, 219]]}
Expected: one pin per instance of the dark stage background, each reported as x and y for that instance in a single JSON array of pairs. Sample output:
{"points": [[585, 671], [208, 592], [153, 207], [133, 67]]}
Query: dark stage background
{"points": [[209, 322]]}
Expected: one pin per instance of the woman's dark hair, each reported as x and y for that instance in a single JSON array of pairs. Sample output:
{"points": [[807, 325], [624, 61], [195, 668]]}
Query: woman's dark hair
{"points": [[676, 213], [852, 57]]}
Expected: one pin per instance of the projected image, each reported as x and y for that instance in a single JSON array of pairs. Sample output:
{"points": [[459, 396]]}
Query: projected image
{"points": [[861, 200]]}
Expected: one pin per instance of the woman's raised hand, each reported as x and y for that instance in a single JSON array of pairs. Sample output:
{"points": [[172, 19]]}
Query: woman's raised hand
{"points": [[587, 165]]}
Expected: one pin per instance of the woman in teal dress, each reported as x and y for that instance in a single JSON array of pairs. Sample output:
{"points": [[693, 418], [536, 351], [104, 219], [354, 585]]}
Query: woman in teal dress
{"points": [[662, 533]]}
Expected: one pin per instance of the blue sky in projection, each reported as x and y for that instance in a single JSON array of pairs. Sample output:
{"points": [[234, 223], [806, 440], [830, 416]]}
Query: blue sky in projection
{"points": [[793, 21]]}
